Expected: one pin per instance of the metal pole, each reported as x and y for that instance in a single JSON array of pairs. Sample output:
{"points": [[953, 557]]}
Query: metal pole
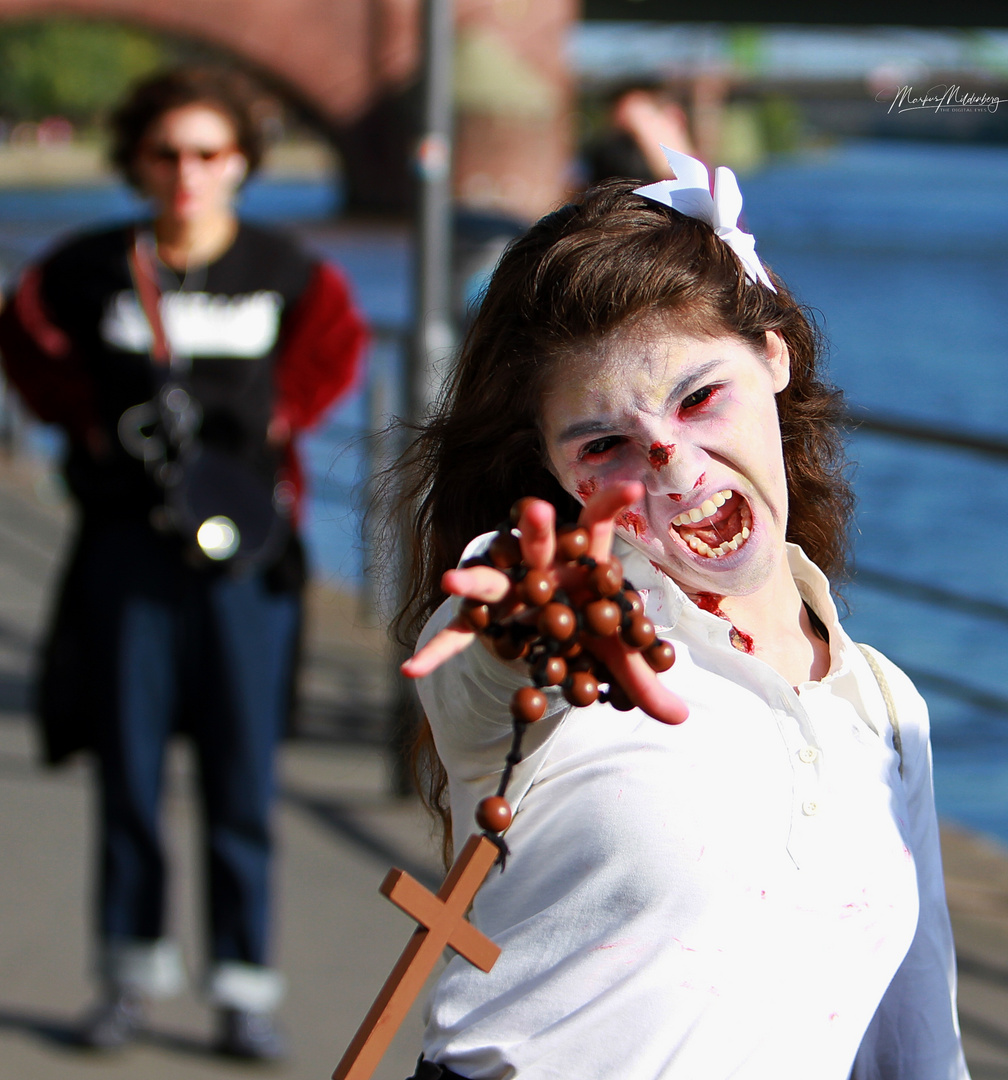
{"points": [[433, 334]]}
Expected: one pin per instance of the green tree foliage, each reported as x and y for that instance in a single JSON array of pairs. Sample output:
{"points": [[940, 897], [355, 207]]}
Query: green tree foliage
{"points": [[71, 67]]}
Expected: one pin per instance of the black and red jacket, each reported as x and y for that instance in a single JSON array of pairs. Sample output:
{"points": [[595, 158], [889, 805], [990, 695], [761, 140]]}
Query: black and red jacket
{"points": [[271, 334]]}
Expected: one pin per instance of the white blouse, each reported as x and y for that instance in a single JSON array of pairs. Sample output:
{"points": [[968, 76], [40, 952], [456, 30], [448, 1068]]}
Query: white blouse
{"points": [[754, 894]]}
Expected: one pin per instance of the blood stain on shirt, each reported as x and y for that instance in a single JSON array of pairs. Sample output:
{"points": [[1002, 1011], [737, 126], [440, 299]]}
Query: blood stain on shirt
{"points": [[660, 454]]}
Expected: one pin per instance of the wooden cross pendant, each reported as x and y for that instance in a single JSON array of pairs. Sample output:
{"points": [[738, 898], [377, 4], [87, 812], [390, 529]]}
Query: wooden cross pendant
{"points": [[442, 924]]}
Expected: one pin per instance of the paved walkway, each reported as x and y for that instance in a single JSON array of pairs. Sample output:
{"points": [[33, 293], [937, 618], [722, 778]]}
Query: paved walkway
{"points": [[339, 830]]}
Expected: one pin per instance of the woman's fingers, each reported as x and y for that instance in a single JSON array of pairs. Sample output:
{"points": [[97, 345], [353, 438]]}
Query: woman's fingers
{"points": [[630, 669], [449, 642], [641, 684], [600, 512], [482, 583], [537, 528], [647, 692], [537, 537]]}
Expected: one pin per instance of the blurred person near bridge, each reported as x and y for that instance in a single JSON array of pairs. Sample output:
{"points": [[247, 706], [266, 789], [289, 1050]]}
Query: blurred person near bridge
{"points": [[639, 121], [181, 356]]}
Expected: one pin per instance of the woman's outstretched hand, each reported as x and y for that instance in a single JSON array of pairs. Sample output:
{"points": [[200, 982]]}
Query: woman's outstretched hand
{"points": [[538, 544]]}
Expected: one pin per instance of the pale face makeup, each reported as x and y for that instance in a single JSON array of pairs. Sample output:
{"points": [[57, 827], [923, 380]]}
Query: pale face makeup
{"points": [[189, 164], [695, 420]]}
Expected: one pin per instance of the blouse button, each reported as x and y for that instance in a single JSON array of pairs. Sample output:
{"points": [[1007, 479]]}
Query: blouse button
{"points": [[808, 754], [810, 808]]}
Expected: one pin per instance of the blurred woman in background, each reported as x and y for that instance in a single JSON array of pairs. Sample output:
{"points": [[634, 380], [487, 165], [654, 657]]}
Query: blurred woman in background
{"points": [[187, 341]]}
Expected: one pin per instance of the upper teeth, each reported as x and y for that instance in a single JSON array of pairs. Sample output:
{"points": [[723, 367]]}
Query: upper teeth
{"points": [[704, 510]]}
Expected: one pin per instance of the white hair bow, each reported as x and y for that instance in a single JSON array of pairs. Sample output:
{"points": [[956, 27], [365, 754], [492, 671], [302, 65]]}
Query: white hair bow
{"points": [[690, 194]]}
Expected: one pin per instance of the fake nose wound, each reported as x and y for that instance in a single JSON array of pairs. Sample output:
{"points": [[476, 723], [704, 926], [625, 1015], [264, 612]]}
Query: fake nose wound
{"points": [[660, 455]]}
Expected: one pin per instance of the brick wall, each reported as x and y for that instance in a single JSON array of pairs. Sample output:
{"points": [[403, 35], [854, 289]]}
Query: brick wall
{"points": [[355, 65]]}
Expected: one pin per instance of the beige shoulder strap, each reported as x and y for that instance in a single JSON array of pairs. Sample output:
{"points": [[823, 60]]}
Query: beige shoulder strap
{"points": [[883, 684]]}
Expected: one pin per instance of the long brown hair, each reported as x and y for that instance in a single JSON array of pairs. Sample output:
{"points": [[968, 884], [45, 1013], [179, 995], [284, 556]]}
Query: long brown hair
{"points": [[607, 260]]}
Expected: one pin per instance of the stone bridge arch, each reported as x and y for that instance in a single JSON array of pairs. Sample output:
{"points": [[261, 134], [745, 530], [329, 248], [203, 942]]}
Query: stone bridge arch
{"points": [[353, 66]]}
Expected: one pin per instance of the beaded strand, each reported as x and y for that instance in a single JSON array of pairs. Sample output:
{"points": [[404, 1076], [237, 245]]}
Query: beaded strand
{"points": [[550, 633]]}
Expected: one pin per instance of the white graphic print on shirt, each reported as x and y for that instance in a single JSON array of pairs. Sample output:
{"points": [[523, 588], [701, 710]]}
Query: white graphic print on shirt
{"points": [[198, 323]]}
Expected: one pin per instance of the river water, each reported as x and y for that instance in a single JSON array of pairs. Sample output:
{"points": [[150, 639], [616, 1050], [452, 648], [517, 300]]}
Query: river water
{"points": [[902, 251]]}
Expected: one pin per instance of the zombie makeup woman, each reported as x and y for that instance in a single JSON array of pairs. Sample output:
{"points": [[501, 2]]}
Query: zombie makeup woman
{"points": [[154, 633], [755, 891]]}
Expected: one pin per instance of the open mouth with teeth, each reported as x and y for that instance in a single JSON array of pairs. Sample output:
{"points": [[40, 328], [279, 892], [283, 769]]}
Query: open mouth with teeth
{"points": [[720, 525]]}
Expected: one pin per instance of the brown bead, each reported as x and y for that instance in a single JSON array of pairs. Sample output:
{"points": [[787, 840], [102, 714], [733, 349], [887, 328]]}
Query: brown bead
{"points": [[528, 704], [572, 542], [606, 578], [551, 671], [535, 588], [510, 648], [633, 598], [519, 508], [475, 614], [660, 655], [556, 621], [602, 617], [504, 551], [618, 699], [581, 689], [639, 632], [493, 814]]}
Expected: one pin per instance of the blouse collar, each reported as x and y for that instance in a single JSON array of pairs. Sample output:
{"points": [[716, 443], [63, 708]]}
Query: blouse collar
{"points": [[668, 607]]}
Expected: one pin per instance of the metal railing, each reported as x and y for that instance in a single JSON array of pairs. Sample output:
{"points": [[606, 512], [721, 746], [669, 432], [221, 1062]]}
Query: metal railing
{"points": [[928, 593], [382, 394]]}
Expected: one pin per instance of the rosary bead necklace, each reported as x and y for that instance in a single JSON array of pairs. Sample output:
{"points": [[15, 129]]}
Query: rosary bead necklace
{"points": [[552, 632], [552, 629]]}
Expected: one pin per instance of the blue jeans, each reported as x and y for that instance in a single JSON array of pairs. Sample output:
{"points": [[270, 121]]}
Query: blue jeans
{"points": [[174, 645]]}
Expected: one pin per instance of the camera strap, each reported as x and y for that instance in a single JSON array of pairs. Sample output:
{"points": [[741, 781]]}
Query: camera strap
{"points": [[158, 430], [143, 271]]}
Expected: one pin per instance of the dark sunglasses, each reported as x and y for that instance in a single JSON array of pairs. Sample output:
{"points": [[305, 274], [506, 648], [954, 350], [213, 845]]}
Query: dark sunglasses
{"points": [[160, 154]]}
